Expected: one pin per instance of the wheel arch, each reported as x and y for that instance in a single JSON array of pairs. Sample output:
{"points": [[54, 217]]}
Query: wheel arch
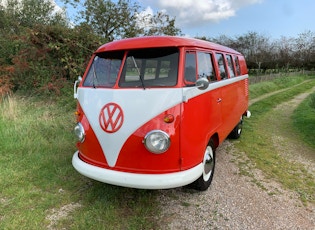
{"points": [[215, 139]]}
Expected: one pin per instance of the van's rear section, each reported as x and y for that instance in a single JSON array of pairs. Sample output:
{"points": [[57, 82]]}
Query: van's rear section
{"points": [[152, 110]]}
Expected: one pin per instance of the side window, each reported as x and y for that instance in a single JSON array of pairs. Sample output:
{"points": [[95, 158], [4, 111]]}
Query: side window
{"points": [[237, 66], [230, 65], [205, 66], [190, 68], [221, 65]]}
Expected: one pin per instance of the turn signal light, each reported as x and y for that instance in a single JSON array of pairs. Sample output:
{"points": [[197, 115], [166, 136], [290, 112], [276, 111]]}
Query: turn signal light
{"points": [[169, 118]]}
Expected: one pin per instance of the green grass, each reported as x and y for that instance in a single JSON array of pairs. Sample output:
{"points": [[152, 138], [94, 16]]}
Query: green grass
{"points": [[304, 120], [37, 178], [256, 143], [260, 89]]}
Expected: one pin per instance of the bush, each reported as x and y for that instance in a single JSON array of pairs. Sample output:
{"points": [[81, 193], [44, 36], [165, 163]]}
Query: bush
{"points": [[45, 58], [5, 81]]}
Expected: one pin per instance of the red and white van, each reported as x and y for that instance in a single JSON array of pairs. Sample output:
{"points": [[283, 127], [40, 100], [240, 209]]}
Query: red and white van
{"points": [[152, 110]]}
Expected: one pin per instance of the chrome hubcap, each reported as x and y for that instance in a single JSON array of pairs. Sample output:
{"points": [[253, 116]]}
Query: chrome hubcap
{"points": [[208, 163], [240, 126]]}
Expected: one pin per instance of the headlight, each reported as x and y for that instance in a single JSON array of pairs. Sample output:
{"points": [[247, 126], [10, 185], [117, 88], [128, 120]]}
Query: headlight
{"points": [[157, 141], [79, 132]]}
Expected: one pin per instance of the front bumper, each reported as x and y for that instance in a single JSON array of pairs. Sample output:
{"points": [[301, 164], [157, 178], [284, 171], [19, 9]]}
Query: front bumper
{"points": [[133, 180]]}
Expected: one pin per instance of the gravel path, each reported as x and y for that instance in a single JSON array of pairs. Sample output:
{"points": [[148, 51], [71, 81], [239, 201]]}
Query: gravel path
{"points": [[235, 201]]}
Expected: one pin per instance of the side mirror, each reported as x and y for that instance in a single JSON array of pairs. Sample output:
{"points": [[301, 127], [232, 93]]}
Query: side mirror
{"points": [[202, 83], [75, 94]]}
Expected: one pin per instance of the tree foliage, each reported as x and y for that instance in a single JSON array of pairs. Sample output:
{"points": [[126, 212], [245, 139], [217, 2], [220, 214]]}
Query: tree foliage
{"points": [[111, 20], [123, 19], [263, 53], [158, 24], [41, 51], [29, 13]]}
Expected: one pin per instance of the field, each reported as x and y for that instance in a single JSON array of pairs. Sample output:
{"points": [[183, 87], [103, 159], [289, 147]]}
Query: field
{"points": [[277, 135], [41, 190], [39, 187]]}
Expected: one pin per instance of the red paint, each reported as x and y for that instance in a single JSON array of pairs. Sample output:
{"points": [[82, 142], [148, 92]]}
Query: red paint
{"points": [[190, 124]]}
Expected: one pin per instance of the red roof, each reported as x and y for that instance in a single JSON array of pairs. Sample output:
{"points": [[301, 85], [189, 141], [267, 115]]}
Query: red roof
{"points": [[161, 41]]}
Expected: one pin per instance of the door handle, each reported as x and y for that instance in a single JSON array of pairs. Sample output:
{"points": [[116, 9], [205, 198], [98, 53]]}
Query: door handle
{"points": [[219, 100]]}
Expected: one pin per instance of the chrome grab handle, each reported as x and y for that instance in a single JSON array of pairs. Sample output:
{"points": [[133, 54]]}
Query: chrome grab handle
{"points": [[75, 92]]}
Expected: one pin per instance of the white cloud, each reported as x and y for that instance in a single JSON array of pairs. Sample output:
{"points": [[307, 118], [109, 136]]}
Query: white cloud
{"points": [[197, 12], [144, 17], [57, 9]]}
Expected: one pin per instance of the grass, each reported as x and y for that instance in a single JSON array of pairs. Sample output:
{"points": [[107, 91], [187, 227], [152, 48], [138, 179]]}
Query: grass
{"points": [[260, 89], [41, 190], [304, 120], [38, 181], [256, 142]]}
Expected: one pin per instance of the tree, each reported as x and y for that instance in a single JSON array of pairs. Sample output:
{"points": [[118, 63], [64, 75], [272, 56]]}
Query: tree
{"points": [[108, 19], [158, 24], [255, 47], [29, 13], [283, 54], [122, 19], [305, 49]]}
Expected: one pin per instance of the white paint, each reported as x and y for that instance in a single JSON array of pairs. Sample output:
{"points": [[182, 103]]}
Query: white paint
{"points": [[138, 105], [134, 180], [191, 92]]}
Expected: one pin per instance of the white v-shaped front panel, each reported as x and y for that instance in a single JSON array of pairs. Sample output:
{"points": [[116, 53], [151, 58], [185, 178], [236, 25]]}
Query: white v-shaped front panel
{"points": [[135, 108]]}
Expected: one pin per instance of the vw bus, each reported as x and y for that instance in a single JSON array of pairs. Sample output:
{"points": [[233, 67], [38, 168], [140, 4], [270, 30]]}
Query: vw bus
{"points": [[151, 111]]}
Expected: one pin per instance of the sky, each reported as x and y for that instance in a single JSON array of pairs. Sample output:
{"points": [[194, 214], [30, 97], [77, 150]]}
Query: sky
{"points": [[212, 18]]}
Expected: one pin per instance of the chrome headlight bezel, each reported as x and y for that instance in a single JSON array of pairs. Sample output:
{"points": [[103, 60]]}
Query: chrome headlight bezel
{"points": [[157, 141], [79, 132]]}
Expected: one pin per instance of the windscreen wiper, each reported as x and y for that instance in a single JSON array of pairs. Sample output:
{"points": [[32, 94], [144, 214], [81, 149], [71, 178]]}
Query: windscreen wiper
{"points": [[140, 76]]}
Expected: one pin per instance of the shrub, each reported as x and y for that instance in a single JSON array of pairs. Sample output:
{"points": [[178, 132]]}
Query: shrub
{"points": [[44, 58], [5, 81]]}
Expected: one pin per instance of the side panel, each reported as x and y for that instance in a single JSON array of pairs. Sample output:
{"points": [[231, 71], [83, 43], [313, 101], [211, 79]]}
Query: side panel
{"points": [[201, 118], [234, 104], [243, 65], [218, 109]]}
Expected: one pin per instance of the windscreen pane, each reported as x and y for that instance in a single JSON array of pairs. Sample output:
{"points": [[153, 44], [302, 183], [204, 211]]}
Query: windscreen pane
{"points": [[104, 70], [150, 68]]}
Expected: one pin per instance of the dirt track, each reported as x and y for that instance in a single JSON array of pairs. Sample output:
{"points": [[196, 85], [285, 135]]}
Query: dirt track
{"points": [[233, 201]]}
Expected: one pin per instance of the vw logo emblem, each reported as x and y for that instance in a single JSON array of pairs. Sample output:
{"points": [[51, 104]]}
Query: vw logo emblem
{"points": [[111, 118]]}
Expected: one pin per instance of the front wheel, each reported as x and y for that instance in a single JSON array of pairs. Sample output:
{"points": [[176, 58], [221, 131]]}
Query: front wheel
{"points": [[204, 181]]}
